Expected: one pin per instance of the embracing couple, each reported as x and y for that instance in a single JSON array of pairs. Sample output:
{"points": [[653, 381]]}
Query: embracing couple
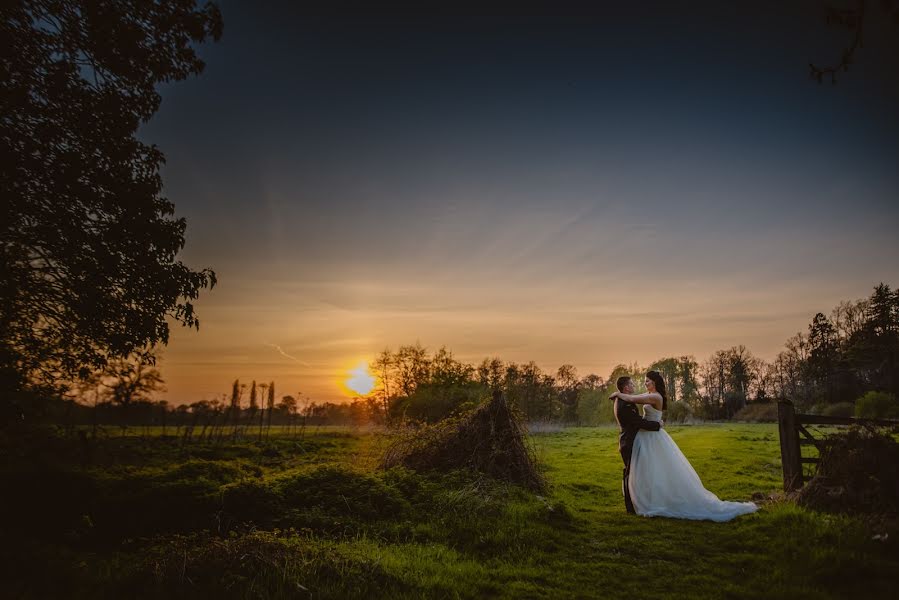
{"points": [[659, 481]]}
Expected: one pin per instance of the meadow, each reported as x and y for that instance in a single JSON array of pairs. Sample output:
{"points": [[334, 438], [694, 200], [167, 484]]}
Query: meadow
{"points": [[148, 516]]}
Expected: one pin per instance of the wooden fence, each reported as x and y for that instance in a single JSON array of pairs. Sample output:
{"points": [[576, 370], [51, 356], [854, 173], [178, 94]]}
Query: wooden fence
{"points": [[794, 436]]}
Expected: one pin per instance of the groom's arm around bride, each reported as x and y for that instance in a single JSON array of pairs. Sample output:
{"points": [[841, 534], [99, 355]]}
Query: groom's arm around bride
{"points": [[629, 423]]}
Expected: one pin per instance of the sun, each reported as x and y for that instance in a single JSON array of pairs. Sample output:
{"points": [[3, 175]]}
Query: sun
{"points": [[360, 380]]}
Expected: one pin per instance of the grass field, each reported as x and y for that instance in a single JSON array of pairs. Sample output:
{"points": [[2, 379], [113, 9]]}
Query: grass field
{"points": [[147, 517]]}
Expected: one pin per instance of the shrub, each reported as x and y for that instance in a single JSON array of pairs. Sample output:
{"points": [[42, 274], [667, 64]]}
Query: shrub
{"points": [[184, 497], [255, 501], [765, 412], [594, 407], [333, 500], [431, 403], [45, 501], [214, 471], [339, 491], [877, 405], [678, 412], [858, 472], [840, 409], [141, 504]]}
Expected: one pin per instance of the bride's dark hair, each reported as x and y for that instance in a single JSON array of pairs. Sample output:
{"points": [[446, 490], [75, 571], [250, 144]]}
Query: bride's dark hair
{"points": [[660, 387]]}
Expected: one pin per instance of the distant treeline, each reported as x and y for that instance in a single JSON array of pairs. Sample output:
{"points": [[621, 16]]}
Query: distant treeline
{"points": [[248, 411], [824, 369], [840, 358]]}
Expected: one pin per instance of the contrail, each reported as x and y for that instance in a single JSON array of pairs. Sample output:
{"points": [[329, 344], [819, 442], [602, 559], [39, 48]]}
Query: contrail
{"points": [[286, 355]]}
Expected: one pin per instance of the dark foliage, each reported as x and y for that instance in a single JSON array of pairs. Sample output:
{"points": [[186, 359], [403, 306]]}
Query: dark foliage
{"points": [[341, 491], [858, 473], [842, 357], [88, 244], [326, 498], [152, 517]]}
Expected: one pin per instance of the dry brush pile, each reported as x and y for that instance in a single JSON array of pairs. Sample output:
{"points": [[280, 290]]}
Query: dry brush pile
{"points": [[858, 472], [491, 439]]}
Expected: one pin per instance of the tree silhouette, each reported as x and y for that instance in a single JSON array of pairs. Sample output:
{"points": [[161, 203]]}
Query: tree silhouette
{"points": [[383, 366], [569, 386], [270, 404], [126, 381], [264, 387], [412, 367], [822, 360], [254, 406], [288, 407], [592, 382], [88, 244], [490, 373], [730, 377], [852, 19], [233, 412]]}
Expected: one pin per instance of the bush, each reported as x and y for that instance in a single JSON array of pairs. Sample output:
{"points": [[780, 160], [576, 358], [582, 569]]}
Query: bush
{"points": [[213, 471], [141, 504], [858, 472], [678, 412], [255, 501], [326, 498], [184, 497], [764, 412], [594, 407], [338, 491], [877, 405], [840, 409], [431, 403], [45, 501]]}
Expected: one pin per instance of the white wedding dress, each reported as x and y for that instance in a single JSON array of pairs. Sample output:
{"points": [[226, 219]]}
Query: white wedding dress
{"points": [[663, 483]]}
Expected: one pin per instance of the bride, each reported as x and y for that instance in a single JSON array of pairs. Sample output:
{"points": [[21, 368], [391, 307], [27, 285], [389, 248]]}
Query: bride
{"points": [[662, 481]]}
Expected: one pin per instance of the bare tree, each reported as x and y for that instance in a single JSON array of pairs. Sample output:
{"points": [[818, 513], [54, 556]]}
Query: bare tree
{"points": [[413, 367], [383, 367], [849, 318], [127, 380]]}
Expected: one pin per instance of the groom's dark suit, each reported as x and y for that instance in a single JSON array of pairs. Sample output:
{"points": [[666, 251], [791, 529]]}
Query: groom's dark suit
{"points": [[630, 422]]}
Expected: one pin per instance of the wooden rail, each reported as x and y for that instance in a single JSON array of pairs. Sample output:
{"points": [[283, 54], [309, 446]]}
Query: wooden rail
{"points": [[793, 436]]}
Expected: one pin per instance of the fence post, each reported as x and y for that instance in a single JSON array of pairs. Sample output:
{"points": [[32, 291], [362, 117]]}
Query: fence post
{"points": [[789, 446]]}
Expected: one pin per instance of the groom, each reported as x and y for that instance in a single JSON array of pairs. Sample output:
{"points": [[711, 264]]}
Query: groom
{"points": [[629, 422]]}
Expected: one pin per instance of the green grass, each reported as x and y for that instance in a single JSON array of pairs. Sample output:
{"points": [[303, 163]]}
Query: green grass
{"points": [[149, 517]]}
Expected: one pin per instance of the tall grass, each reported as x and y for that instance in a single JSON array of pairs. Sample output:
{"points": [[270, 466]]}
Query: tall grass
{"points": [[284, 518]]}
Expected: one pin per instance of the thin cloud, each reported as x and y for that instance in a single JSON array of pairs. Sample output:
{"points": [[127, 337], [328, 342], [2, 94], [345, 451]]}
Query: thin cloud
{"points": [[286, 355]]}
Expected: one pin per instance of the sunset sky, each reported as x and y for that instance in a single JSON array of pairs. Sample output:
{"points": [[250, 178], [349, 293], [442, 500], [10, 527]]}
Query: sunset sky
{"points": [[655, 181]]}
